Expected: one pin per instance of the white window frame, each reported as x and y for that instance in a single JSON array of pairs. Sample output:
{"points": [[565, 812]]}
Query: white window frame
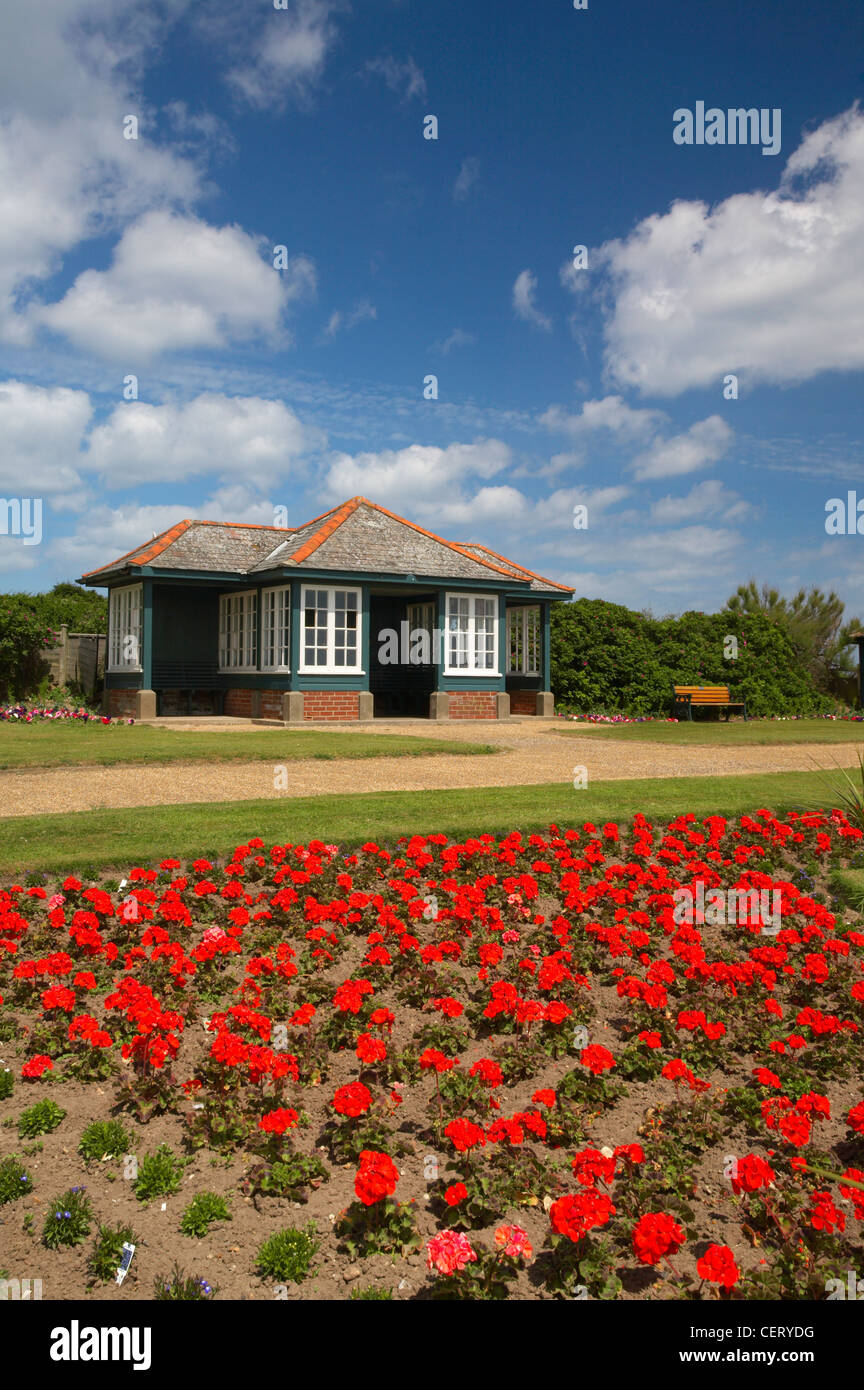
{"points": [[331, 669], [280, 596], [249, 601], [125, 602], [471, 670], [527, 642]]}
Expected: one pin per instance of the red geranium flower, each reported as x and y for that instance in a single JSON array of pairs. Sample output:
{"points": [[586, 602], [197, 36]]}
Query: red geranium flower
{"points": [[370, 1049], [278, 1121], [433, 1058], [465, 1135], [353, 1099], [751, 1173], [718, 1266], [575, 1216], [376, 1177], [597, 1059], [35, 1067], [656, 1236]]}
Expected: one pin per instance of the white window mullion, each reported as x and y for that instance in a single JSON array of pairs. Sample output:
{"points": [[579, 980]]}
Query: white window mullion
{"points": [[238, 631], [125, 614], [472, 635], [331, 641]]}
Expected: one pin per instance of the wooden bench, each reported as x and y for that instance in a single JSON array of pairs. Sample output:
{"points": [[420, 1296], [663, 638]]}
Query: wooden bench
{"points": [[686, 696]]}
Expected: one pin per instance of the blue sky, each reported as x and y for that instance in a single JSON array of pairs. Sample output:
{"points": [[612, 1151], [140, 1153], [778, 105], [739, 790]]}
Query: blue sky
{"points": [[303, 127]]}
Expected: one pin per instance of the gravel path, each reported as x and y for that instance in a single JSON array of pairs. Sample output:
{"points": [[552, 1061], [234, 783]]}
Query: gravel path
{"points": [[530, 753]]}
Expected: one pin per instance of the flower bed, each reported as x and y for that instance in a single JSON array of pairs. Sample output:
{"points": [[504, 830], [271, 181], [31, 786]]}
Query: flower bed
{"points": [[26, 714], [847, 718], [516, 1064]]}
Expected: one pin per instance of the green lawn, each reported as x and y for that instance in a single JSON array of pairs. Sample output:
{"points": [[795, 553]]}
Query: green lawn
{"points": [[72, 745], [715, 731], [90, 840]]}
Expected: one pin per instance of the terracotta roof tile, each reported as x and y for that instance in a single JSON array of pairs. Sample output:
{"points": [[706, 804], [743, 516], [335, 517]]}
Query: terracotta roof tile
{"points": [[356, 535]]}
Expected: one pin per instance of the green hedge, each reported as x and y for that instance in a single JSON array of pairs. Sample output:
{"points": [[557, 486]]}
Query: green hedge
{"points": [[23, 639], [608, 659]]}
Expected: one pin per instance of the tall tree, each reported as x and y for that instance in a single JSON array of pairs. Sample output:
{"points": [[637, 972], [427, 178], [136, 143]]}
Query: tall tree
{"points": [[812, 620]]}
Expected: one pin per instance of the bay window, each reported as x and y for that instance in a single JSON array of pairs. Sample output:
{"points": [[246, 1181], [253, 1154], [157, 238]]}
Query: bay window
{"points": [[472, 635], [238, 631], [124, 625], [523, 641], [330, 640], [276, 629]]}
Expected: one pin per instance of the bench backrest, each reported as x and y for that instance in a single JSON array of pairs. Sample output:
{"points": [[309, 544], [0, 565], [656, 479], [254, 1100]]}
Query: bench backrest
{"points": [[703, 694]]}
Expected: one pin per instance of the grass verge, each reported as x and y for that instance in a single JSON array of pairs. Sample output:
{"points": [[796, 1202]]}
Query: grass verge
{"points": [[143, 835], [92, 745], [716, 732]]}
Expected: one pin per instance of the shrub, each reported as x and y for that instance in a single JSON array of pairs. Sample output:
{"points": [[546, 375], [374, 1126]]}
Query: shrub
{"points": [[108, 1251], [68, 1221], [159, 1174], [41, 1118], [202, 1211], [7, 1084], [15, 1181], [289, 1177], [605, 657], [182, 1288], [288, 1254], [23, 640], [104, 1139]]}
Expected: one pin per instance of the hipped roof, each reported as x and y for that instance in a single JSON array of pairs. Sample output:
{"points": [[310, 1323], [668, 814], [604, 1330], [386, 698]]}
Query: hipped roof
{"points": [[357, 536]]}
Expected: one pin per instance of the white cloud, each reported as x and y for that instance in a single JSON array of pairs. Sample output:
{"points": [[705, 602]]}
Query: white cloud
{"points": [[18, 558], [105, 533], [466, 180], [41, 431], [339, 322], [767, 285], [637, 567], [705, 499], [415, 480], [702, 444], [287, 57], [402, 76], [611, 414], [524, 290], [458, 338], [216, 434], [67, 69], [177, 282]]}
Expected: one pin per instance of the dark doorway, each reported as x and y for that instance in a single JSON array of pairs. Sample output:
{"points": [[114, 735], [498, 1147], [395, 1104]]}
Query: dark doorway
{"points": [[399, 691]]}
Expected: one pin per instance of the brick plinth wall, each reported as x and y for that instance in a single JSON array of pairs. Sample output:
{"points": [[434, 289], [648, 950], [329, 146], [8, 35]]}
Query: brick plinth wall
{"points": [[322, 705], [473, 704], [122, 704], [238, 703], [523, 702], [271, 704]]}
